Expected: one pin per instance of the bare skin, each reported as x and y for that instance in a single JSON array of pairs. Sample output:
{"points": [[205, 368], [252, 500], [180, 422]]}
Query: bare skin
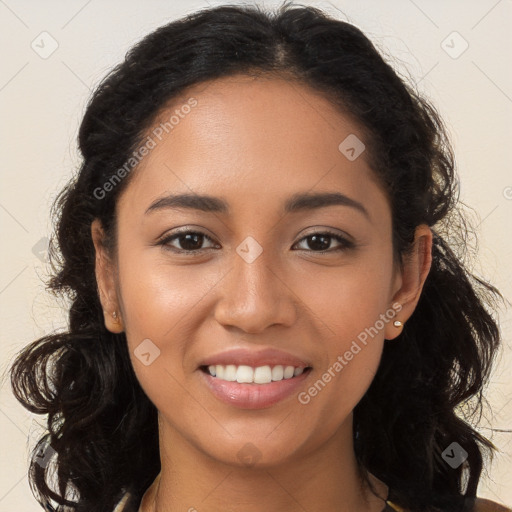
{"points": [[255, 143]]}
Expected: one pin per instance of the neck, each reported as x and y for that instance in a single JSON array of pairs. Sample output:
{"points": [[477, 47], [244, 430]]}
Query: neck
{"points": [[327, 478]]}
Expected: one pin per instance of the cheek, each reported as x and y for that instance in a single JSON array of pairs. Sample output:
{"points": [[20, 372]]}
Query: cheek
{"points": [[349, 308], [158, 301], [346, 302], [158, 298]]}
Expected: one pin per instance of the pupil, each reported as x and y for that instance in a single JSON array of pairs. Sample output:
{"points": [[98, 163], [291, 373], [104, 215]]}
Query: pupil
{"points": [[187, 238], [315, 239]]}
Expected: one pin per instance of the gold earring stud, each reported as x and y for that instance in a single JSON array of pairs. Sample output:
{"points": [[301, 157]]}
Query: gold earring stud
{"points": [[397, 323], [114, 315]]}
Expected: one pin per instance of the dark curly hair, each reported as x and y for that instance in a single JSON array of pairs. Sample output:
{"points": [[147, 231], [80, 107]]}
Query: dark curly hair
{"points": [[102, 435]]}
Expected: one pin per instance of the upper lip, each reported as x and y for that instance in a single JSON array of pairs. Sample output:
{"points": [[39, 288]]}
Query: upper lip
{"points": [[255, 358]]}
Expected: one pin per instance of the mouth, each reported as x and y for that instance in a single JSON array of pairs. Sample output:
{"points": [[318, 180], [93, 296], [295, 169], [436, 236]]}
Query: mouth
{"points": [[244, 374], [247, 387]]}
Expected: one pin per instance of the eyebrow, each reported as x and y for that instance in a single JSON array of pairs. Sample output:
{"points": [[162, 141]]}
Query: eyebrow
{"points": [[297, 203]]}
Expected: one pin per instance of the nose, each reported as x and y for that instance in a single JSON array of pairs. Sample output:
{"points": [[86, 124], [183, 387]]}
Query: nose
{"points": [[255, 295]]}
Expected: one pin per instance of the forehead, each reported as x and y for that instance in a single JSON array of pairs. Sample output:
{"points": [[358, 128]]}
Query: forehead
{"points": [[249, 139]]}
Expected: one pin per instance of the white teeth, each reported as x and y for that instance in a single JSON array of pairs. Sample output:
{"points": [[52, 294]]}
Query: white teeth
{"points": [[219, 371], [230, 372], [258, 375], [262, 375], [288, 372], [244, 374], [277, 372]]}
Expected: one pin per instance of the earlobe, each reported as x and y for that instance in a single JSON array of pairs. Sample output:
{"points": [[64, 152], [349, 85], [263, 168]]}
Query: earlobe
{"points": [[413, 276], [104, 269], [113, 321]]}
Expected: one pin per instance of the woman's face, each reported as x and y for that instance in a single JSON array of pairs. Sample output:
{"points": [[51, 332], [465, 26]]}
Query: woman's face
{"points": [[261, 272]]}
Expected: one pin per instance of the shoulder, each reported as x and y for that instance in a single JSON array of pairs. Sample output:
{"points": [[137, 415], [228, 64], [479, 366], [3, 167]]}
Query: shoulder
{"points": [[478, 505], [484, 505]]}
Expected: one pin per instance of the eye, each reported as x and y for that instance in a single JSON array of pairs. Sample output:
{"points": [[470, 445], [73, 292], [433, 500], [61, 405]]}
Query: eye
{"points": [[320, 242], [191, 242]]}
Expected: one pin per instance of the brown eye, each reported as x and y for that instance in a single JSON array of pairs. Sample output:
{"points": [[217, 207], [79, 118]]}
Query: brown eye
{"points": [[192, 242], [320, 242], [188, 241]]}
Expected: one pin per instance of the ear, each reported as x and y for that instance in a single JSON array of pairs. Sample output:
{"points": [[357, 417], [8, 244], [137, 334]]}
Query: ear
{"points": [[105, 278], [411, 279]]}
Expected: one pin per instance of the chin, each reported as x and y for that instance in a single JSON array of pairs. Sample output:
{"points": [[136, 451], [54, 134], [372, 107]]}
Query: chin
{"points": [[251, 455]]}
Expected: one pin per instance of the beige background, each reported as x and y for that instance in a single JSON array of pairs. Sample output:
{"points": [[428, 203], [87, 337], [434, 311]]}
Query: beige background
{"points": [[42, 101]]}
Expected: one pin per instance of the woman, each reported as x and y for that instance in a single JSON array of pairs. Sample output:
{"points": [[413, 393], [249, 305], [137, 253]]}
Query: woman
{"points": [[266, 314]]}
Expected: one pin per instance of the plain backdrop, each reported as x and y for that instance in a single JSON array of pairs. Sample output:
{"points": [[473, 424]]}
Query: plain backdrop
{"points": [[457, 52]]}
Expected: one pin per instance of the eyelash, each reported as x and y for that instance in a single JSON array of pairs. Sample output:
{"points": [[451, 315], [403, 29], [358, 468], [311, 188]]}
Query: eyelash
{"points": [[345, 244]]}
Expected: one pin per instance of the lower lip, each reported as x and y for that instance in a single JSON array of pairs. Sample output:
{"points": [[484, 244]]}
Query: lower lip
{"points": [[253, 396]]}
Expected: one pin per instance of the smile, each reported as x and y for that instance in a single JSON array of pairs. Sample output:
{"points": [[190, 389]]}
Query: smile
{"points": [[256, 375], [258, 389]]}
